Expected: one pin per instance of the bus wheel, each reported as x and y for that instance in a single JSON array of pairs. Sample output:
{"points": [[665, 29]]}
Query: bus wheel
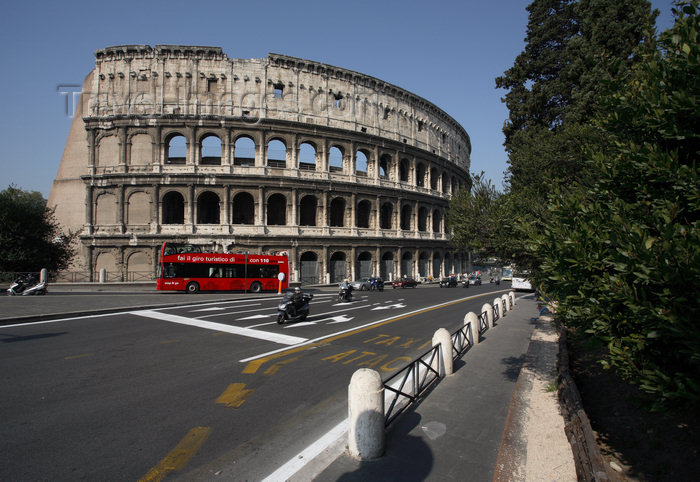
{"points": [[255, 287], [192, 287]]}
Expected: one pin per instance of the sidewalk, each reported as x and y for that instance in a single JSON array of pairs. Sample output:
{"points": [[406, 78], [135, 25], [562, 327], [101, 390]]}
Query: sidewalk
{"points": [[492, 420]]}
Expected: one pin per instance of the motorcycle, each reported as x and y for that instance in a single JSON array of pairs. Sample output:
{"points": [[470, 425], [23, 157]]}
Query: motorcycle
{"points": [[27, 286], [376, 284], [287, 311], [465, 283], [345, 295]]}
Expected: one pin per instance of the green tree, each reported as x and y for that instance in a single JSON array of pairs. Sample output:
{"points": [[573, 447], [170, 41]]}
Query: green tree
{"points": [[30, 238], [473, 217], [621, 251]]}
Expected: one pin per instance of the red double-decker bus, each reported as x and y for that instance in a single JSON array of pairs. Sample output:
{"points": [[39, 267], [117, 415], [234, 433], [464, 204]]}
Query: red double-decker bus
{"points": [[187, 268]]}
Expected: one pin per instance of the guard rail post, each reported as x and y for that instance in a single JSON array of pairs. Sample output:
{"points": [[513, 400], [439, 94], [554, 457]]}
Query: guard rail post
{"points": [[366, 437]]}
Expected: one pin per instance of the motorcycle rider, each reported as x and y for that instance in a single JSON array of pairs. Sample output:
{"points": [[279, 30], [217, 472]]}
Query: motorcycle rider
{"points": [[347, 287], [297, 300]]}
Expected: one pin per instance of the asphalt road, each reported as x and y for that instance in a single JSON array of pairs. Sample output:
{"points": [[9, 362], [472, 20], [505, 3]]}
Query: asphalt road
{"points": [[182, 391]]}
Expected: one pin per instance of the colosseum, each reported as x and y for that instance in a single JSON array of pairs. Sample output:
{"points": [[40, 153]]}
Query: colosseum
{"points": [[349, 175]]}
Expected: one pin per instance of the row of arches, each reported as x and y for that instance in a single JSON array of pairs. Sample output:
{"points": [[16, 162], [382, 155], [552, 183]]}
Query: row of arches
{"points": [[309, 268]]}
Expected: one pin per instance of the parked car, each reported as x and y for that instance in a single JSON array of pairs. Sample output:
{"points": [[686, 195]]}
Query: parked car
{"points": [[450, 282], [474, 280], [404, 283], [362, 284]]}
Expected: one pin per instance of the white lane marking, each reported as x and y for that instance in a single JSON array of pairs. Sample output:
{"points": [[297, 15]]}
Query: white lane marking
{"points": [[296, 463], [210, 303], [219, 308], [331, 320], [330, 335], [389, 307], [262, 335], [254, 317]]}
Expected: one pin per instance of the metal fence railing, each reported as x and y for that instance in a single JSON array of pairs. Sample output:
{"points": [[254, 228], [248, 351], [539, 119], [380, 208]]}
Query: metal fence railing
{"points": [[461, 341], [483, 321], [409, 383]]}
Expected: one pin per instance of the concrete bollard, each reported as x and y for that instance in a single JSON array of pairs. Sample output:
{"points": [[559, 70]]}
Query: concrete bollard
{"points": [[103, 275], [512, 297], [506, 298], [366, 415], [499, 302], [474, 320], [504, 303], [44, 275], [489, 314], [442, 337]]}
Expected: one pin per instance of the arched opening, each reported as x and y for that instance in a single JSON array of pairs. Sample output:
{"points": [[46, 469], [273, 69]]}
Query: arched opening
{"points": [[139, 267], [437, 221], [338, 267], [307, 211], [386, 270], [363, 214], [384, 166], [309, 268], [420, 175], [208, 208], [307, 157], [407, 265], [210, 148], [445, 183], [244, 152], [403, 170], [454, 185], [364, 264], [173, 208], [335, 159], [177, 149], [422, 219], [243, 209], [387, 216], [423, 264], [406, 213], [437, 264], [276, 154], [361, 163], [337, 212], [433, 179], [276, 210]]}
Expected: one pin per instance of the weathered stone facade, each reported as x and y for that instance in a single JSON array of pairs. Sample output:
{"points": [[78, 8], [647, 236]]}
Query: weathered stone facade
{"points": [[348, 174]]}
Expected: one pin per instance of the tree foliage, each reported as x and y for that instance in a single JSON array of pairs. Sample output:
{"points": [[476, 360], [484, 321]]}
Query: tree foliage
{"points": [[621, 249], [30, 237]]}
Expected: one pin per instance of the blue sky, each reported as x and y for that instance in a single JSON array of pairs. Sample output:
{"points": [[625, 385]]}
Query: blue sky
{"points": [[448, 52]]}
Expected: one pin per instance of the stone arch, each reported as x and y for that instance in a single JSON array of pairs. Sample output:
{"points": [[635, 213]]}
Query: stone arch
{"points": [[138, 208], [175, 149], [437, 221], [434, 179], [308, 263], [106, 209], [141, 150], [407, 264], [422, 219], [423, 264], [404, 170], [307, 156], [387, 216], [210, 150], [437, 264], [335, 159], [173, 208], [276, 153], [243, 209], [139, 266], [307, 210], [386, 268], [406, 215], [244, 151], [362, 162], [208, 208], [363, 214], [445, 183], [365, 265], [337, 212], [108, 151], [385, 166], [420, 174], [277, 210], [338, 267], [107, 261]]}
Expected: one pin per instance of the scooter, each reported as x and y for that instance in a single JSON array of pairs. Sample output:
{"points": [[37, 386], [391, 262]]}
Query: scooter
{"points": [[27, 286], [465, 283], [286, 311], [345, 295]]}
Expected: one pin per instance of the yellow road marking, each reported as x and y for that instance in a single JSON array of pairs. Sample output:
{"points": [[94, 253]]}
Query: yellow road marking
{"points": [[234, 395], [254, 365], [83, 355], [177, 459], [166, 342]]}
